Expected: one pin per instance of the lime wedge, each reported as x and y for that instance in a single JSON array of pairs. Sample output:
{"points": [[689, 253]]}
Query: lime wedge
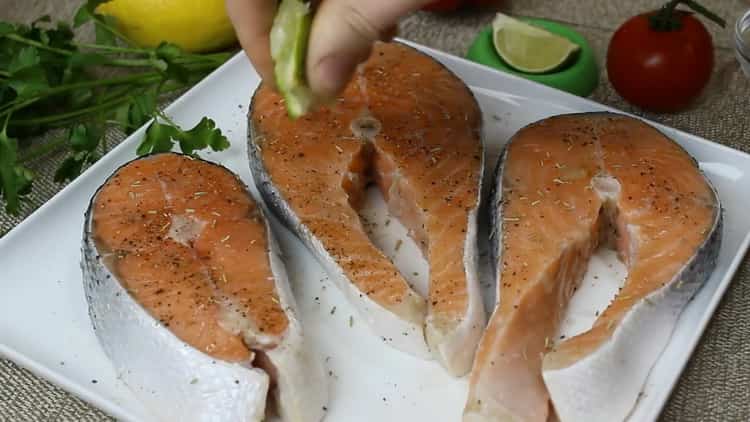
{"points": [[289, 34], [529, 48]]}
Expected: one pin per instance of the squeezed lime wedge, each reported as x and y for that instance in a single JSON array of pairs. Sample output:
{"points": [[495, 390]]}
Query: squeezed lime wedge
{"points": [[289, 35], [529, 48]]}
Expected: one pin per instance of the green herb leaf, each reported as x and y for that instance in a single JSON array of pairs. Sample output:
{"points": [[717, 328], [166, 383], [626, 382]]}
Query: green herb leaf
{"points": [[82, 16], [44, 37], [6, 28], [141, 110], [121, 116], [204, 134], [28, 82], [24, 179], [158, 139], [61, 37], [6, 93], [27, 57], [69, 169], [22, 30], [103, 35], [37, 32], [168, 51], [15, 180], [81, 97], [83, 138], [73, 166], [86, 12], [177, 72], [26, 75], [8, 150]]}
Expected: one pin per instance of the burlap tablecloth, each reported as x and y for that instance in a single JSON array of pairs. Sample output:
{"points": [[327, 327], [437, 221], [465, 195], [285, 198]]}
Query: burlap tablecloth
{"points": [[716, 383]]}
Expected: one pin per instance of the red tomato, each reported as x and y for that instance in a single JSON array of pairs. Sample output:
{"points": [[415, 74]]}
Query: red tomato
{"points": [[660, 70], [443, 6]]}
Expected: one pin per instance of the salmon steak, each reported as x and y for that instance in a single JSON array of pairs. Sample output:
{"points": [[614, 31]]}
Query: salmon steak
{"points": [[189, 298], [410, 126], [563, 187]]}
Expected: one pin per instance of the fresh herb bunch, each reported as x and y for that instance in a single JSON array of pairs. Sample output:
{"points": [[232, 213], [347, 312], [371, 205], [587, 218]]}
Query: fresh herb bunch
{"points": [[48, 81]]}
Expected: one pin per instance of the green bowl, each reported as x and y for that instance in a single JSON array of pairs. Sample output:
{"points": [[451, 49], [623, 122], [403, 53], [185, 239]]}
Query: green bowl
{"points": [[578, 76]]}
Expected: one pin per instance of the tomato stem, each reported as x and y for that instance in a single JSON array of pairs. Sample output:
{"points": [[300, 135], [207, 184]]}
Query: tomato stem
{"points": [[667, 20]]}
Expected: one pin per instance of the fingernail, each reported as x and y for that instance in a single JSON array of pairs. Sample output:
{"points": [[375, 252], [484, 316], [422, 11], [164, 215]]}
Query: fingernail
{"points": [[332, 74]]}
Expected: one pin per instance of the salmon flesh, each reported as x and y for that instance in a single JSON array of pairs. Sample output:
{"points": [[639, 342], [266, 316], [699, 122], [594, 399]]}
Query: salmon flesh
{"points": [[189, 299], [409, 125], [563, 187]]}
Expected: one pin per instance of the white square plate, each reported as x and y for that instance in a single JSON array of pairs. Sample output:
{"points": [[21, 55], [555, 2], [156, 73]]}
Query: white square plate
{"points": [[44, 324]]}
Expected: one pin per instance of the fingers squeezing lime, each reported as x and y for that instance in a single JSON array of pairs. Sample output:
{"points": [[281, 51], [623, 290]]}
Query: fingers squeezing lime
{"points": [[289, 35]]}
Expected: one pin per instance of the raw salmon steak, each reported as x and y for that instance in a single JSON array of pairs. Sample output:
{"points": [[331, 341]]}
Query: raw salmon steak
{"points": [[189, 299], [564, 186], [410, 126]]}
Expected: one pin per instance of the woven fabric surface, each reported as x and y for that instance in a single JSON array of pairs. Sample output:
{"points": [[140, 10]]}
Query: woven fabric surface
{"points": [[715, 385]]}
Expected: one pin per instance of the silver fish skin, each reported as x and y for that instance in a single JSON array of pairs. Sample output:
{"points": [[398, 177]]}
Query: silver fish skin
{"points": [[606, 384], [175, 381]]}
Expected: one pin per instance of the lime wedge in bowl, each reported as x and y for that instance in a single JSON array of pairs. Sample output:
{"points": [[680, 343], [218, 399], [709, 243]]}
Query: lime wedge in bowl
{"points": [[528, 48], [289, 35]]}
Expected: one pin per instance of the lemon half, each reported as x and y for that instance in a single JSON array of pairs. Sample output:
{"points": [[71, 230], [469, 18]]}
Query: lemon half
{"points": [[529, 48], [196, 26]]}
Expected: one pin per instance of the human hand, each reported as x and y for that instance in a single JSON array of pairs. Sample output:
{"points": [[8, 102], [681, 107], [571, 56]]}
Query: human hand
{"points": [[342, 35]]}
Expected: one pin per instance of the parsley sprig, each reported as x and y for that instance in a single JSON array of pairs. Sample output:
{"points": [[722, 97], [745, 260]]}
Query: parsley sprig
{"points": [[160, 137], [51, 82]]}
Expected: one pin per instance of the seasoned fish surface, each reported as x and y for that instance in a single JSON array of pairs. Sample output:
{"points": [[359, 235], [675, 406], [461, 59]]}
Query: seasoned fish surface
{"points": [[189, 298], [564, 186], [412, 127]]}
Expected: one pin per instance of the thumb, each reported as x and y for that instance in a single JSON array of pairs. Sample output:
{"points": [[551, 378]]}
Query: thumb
{"points": [[342, 36]]}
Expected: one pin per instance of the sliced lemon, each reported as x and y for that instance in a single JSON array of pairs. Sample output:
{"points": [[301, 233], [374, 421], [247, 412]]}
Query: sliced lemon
{"points": [[289, 35], [529, 48]]}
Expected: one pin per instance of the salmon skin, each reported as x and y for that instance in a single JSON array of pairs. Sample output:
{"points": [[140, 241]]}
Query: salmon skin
{"points": [[189, 299], [563, 186], [409, 125]]}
